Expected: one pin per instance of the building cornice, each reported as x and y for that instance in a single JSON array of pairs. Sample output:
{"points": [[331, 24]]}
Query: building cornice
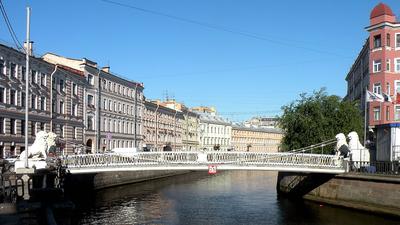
{"points": [[379, 25]]}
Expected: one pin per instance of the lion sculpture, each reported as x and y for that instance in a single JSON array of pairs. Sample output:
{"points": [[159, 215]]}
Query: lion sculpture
{"points": [[40, 146], [358, 151], [342, 149]]}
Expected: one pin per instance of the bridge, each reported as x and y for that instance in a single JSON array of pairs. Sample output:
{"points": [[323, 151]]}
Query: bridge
{"points": [[199, 160]]}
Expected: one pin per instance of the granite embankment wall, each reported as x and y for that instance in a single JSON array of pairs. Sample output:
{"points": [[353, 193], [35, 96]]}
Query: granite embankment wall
{"points": [[375, 193], [110, 179]]}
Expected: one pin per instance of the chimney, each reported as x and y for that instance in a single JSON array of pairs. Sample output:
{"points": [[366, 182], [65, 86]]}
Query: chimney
{"points": [[106, 69], [29, 48]]}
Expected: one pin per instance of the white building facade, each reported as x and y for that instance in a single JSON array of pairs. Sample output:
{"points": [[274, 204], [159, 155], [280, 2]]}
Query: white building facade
{"points": [[215, 132]]}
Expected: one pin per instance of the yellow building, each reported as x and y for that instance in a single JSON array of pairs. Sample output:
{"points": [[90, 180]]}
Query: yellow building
{"points": [[256, 139]]}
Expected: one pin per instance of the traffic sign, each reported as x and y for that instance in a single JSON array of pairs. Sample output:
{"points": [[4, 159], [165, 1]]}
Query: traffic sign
{"points": [[212, 169]]}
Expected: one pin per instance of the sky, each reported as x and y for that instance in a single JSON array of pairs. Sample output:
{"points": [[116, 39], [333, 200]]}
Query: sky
{"points": [[245, 58]]}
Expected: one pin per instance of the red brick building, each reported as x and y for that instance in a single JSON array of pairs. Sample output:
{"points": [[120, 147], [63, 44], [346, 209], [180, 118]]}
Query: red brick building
{"points": [[377, 69]]}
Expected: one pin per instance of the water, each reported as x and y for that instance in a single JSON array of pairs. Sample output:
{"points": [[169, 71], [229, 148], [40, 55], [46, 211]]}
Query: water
{"points": [[236, 197]]}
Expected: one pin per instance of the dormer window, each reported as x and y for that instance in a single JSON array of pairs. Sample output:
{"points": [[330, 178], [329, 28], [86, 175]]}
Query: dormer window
{"points": [[377, 41]]}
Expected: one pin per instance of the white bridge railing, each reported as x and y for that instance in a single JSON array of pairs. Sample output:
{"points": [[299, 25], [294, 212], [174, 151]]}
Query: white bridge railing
{"points": [[301, 162]]}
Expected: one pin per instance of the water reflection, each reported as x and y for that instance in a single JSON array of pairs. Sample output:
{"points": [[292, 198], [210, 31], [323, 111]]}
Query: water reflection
{"points": [[237, 197]]}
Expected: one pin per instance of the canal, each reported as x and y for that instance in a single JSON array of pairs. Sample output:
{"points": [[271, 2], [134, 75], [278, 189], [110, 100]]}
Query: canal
{"points": [[235, 197]]}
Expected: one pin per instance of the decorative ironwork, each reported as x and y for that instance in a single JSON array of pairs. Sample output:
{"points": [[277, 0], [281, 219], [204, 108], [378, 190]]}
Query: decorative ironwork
{"points": [[200, 161]]}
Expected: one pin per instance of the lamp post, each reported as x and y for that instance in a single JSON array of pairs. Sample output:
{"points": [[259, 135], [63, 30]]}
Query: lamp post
{"points": [[27, 51]]}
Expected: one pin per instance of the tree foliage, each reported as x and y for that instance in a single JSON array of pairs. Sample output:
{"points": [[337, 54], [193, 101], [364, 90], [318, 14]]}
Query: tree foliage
{"points": [[317, 118]]}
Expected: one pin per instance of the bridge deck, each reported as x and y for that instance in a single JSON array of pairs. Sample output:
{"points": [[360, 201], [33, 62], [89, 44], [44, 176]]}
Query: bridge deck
{"points": [[295, 162]]}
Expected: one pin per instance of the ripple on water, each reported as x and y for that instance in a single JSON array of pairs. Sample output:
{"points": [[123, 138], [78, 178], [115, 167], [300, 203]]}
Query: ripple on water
{"points": [[236, 197]]}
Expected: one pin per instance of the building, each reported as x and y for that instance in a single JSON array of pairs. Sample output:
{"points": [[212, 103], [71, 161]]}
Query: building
{"points": [[162, 126], [55, 102], [113, 106], [262, 122], [253, 139], [191, 126], [67, 108], [215, 132], [377, 69]]}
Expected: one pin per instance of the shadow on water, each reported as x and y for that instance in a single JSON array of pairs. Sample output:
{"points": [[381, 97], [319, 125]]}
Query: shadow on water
{"points": [[303, 212]]}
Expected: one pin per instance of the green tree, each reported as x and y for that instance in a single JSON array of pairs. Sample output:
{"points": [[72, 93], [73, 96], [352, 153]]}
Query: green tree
{"points": [[316, 118]]}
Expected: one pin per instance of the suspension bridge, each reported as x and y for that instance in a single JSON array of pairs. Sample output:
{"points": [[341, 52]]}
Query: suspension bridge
{"points": [[300, 160]]}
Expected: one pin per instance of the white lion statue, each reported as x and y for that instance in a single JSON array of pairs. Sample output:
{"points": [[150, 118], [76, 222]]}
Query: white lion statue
{"points": [[358, 151], [342, 149], [43, 141]]}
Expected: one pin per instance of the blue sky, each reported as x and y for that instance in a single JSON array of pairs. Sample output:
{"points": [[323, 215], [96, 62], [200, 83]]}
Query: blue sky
{"points": [[289, 47]]}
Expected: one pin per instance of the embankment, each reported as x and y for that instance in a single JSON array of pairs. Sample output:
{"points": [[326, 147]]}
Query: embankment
{"points": [[375, 193]]}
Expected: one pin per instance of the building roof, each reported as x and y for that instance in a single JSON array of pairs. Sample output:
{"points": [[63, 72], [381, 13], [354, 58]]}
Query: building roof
{"points": [[381, 9], [239, 126], [212, 118], [72, 70]]}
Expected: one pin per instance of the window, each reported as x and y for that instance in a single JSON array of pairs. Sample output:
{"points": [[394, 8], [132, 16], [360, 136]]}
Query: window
{"points": [[43, 79], [33, 101], [2, 67], [397, 86], [53, 83], [42, 126], [75, 135], [62, 131], [387, 64], [12, 126], [54, 106], [74, 89], [377, 113], [23, 99], [377, 66], [61, 109], [90, 101], [388, 88], [13, 99], [33, 77], [387, 112], [62, 86], [90, 79], [105, 104], [33, 128], [2, 100], [109, 105], [397, 65], [1, 125], [377, 41], [397, 112], [23, 71], [74, 109], [13, 70], [90, 122], [22, 127], [42, 103], [397, 45], [388, 40]]}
